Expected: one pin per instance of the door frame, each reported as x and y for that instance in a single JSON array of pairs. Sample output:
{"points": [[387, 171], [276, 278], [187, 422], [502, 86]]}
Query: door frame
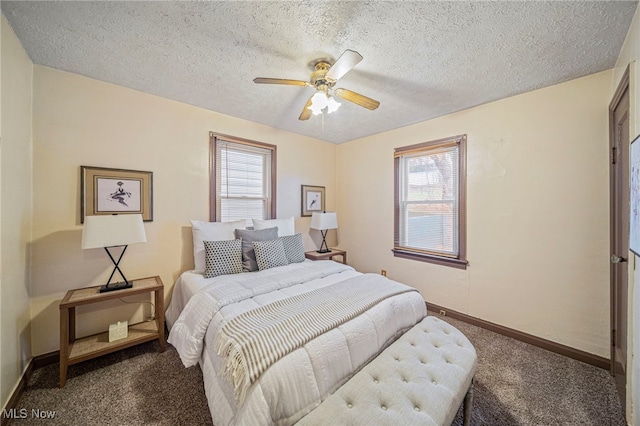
{"points": [[622, 87]]}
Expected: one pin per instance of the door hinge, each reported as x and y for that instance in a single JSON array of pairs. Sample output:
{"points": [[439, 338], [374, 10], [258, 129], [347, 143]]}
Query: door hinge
{"points": [[613, 337], [613, 155]]}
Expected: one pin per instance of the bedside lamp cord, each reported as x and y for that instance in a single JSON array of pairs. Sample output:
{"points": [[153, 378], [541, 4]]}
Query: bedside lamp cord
{"points": [[153, 308]]}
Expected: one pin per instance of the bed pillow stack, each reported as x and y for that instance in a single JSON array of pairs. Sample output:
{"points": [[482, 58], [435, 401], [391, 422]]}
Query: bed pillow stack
{"points": [[222, 248]]}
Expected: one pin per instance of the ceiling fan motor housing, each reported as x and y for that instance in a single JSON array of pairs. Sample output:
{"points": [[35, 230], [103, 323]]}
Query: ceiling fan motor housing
{"points": [[318, 77]]}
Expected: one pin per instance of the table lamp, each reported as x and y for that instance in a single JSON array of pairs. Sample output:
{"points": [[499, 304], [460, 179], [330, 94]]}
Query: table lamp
{"points": [[113, 231], [323, 222]]}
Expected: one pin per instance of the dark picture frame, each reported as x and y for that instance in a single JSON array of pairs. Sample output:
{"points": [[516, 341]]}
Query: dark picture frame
{"points": [[106, 191], [634, 197], [313, 198]]}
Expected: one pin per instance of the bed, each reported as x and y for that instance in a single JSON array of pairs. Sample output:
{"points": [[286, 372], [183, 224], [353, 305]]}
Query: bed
{"points": [[311, 359]]}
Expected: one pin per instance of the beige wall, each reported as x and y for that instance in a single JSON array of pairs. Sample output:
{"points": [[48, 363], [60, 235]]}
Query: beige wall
{"points": [[15, 211], [537, 212], [629, 55], [79, 121]]}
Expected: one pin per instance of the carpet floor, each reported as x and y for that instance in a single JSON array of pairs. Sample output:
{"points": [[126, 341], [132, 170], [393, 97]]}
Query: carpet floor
{"points": [[516, 384]]}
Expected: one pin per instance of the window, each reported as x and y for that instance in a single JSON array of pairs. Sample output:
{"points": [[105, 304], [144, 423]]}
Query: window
{"points": [[430, 202], [243, 179]]}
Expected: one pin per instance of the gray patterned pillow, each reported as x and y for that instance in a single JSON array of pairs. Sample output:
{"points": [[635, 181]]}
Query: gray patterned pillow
{"points": [[222, 258], [248, 237], [270, 254], [294, 248]]}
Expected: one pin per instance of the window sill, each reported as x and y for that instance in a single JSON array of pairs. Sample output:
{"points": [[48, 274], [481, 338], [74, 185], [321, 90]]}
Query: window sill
{"points": [[421, 257]]}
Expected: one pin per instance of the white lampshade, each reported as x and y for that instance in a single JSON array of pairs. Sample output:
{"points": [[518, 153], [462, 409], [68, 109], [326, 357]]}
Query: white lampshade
{"points": [[112, 230], [322, 221]]}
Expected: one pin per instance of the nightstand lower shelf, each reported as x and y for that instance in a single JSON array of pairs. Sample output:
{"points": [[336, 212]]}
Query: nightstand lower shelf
{"points": [[98, 344]]}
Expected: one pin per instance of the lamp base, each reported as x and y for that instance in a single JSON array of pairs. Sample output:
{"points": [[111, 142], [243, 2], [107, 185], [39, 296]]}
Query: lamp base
{"points": [[324, 248], [115, 286]]}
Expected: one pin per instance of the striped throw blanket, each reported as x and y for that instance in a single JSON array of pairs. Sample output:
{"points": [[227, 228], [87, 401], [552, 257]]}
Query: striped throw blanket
{"points": [[254, 340]]}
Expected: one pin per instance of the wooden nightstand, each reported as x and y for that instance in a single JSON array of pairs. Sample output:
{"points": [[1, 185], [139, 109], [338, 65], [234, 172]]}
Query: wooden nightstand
{"points": [[314, 255], [73, 351]]}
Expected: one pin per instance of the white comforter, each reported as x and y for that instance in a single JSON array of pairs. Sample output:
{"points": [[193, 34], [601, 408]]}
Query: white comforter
{"points": [[299, 381]]}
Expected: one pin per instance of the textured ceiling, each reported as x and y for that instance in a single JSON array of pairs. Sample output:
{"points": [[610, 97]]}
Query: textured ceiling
{"points": [[421, 59]]}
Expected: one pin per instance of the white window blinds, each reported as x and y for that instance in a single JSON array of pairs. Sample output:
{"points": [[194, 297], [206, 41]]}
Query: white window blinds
{"points": [[243, 188], [430, 201]]}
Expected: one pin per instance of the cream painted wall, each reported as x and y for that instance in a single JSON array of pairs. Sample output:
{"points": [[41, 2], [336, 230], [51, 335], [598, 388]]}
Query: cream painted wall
{"points": [[537, 212], [15, 210], [79, 121], [629, 56]]}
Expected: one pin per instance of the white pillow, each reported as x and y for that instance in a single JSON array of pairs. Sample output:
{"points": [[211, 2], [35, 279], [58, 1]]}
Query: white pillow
{"points": [[285, 226], [211, 231]]}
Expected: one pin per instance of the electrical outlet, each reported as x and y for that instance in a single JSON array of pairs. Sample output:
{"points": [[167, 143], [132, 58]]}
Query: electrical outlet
{"points": [[443, 312], [383, 272], [118, 330]]}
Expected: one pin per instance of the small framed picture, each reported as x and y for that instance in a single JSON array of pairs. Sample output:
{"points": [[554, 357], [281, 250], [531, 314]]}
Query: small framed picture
{"points": [[116, 191], [312, 199], [634, 201]]}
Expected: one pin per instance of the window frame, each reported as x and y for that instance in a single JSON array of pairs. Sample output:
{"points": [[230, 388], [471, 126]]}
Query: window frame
{"points": [[459, 261], [213, 196]]}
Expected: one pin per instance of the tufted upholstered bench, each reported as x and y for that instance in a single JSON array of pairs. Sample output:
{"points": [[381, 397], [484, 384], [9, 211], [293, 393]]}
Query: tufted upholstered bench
{"points": [[420, 379]]}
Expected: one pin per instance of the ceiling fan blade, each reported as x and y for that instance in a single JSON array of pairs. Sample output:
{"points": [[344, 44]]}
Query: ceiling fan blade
{"points": [[343, 65], [306, 112], [357, 99], [263, 80]]}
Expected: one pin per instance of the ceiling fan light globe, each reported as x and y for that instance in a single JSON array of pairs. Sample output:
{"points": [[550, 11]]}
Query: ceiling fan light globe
{"points": [[315, 110], [319, 100], [332, 105]]}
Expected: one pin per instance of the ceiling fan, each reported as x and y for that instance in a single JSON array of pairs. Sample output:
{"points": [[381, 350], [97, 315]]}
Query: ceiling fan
{"points": [[323, 78]]}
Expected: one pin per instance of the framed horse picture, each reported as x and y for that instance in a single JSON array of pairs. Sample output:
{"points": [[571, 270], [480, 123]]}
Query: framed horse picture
{"points": [[116, 191]]}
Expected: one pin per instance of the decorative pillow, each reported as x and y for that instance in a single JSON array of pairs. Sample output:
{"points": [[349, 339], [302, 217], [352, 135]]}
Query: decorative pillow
{"points": [[270, 254], [293, 248], [285, 226], [248, 237], [222, 258], [211, 231]]}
